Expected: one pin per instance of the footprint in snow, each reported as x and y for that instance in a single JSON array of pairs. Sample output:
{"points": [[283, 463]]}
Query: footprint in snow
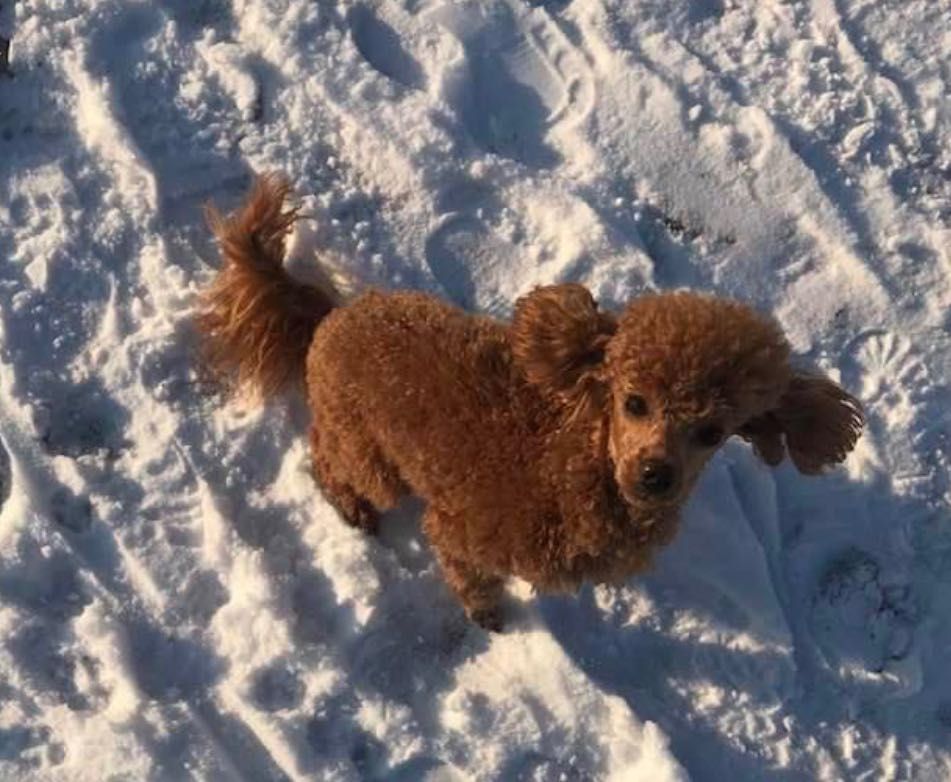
{"points": [[18, 744], [76, 420], [276, 688], [886, 371], [382, 48], [200, 15], [859, 621], [899, 393], [169, 667], [471, 263], [70, 510], [200, 600], [466, 194], [42, 652], [45, 586], [506, 93]]}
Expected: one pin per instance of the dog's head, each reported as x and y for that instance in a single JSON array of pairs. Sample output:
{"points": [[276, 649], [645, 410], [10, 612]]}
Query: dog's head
{"points": [[675, 376]]}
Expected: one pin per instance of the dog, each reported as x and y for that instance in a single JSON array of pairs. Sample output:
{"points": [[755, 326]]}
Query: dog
{"points": [[557, 447]]}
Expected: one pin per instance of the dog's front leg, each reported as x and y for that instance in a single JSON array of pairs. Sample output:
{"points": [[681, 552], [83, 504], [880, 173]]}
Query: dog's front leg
{"points": [[479, 592]]}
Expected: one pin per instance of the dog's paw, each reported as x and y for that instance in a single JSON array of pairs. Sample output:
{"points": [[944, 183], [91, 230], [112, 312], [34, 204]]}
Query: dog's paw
{"points": [[367, 519], [489, 618], [361, 515]]}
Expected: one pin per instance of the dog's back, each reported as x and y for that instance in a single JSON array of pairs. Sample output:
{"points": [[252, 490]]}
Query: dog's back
{"points": [[426, 383], [408, 393]]}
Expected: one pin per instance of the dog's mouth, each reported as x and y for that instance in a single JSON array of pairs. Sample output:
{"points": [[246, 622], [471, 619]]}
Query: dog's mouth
{"points": [[637, 497], [644, 514], [638, 492], [640, 497]]}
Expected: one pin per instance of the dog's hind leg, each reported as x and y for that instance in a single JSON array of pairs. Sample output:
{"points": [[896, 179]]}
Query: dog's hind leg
{"points": [[357, 511], [359, 488]]}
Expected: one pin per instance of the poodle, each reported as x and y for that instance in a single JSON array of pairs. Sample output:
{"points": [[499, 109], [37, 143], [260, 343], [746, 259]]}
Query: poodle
{"points": [[557, 447]]}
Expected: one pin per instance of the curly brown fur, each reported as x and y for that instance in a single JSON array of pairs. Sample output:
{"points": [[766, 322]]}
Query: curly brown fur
{"points": [[256, 323], [819, 422], [537, 444], [558, 339], [694, 350]]}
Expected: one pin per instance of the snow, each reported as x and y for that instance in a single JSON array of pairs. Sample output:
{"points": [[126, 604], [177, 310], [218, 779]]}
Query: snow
{"points": [[177, 601]]}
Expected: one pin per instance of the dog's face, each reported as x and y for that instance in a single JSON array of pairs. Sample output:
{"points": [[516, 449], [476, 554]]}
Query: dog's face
{"points": [[685, 373], [658, 448], [675, 376]]}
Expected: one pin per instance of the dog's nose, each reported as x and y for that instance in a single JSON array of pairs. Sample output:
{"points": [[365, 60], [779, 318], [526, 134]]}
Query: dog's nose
{"points": [[657, 477]]}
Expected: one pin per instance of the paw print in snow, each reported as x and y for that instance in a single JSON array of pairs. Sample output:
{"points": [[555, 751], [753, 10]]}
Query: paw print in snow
{"points": [[859, 622]]}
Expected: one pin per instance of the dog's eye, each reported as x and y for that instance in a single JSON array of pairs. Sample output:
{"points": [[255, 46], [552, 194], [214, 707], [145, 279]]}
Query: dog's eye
{"points": [[636, 405], [709, 435]]}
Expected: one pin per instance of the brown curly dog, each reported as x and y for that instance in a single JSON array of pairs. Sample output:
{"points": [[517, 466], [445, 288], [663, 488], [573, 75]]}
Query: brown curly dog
{"points": [[557, 447]]}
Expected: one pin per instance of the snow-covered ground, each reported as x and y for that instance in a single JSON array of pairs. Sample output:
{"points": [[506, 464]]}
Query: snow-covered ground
{"points": [[177, 601]]}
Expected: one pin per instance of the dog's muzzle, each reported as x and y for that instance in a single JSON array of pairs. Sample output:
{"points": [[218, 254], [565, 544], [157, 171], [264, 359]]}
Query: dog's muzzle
{"points": [[657, 478]]}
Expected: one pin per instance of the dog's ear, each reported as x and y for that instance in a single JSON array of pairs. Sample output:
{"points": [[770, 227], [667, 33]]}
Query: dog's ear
{"points": [[816, 421], [558, 340]]}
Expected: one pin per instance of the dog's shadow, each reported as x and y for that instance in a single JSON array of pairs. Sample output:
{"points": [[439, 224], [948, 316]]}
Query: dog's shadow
{"points": [[782, 613]]}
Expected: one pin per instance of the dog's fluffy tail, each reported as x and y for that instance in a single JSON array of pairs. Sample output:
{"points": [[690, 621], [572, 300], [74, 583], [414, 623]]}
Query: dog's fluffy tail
{"points": [[256, 322]]}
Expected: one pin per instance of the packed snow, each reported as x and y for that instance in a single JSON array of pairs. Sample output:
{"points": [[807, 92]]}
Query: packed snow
{"points": [[177, 601]]}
